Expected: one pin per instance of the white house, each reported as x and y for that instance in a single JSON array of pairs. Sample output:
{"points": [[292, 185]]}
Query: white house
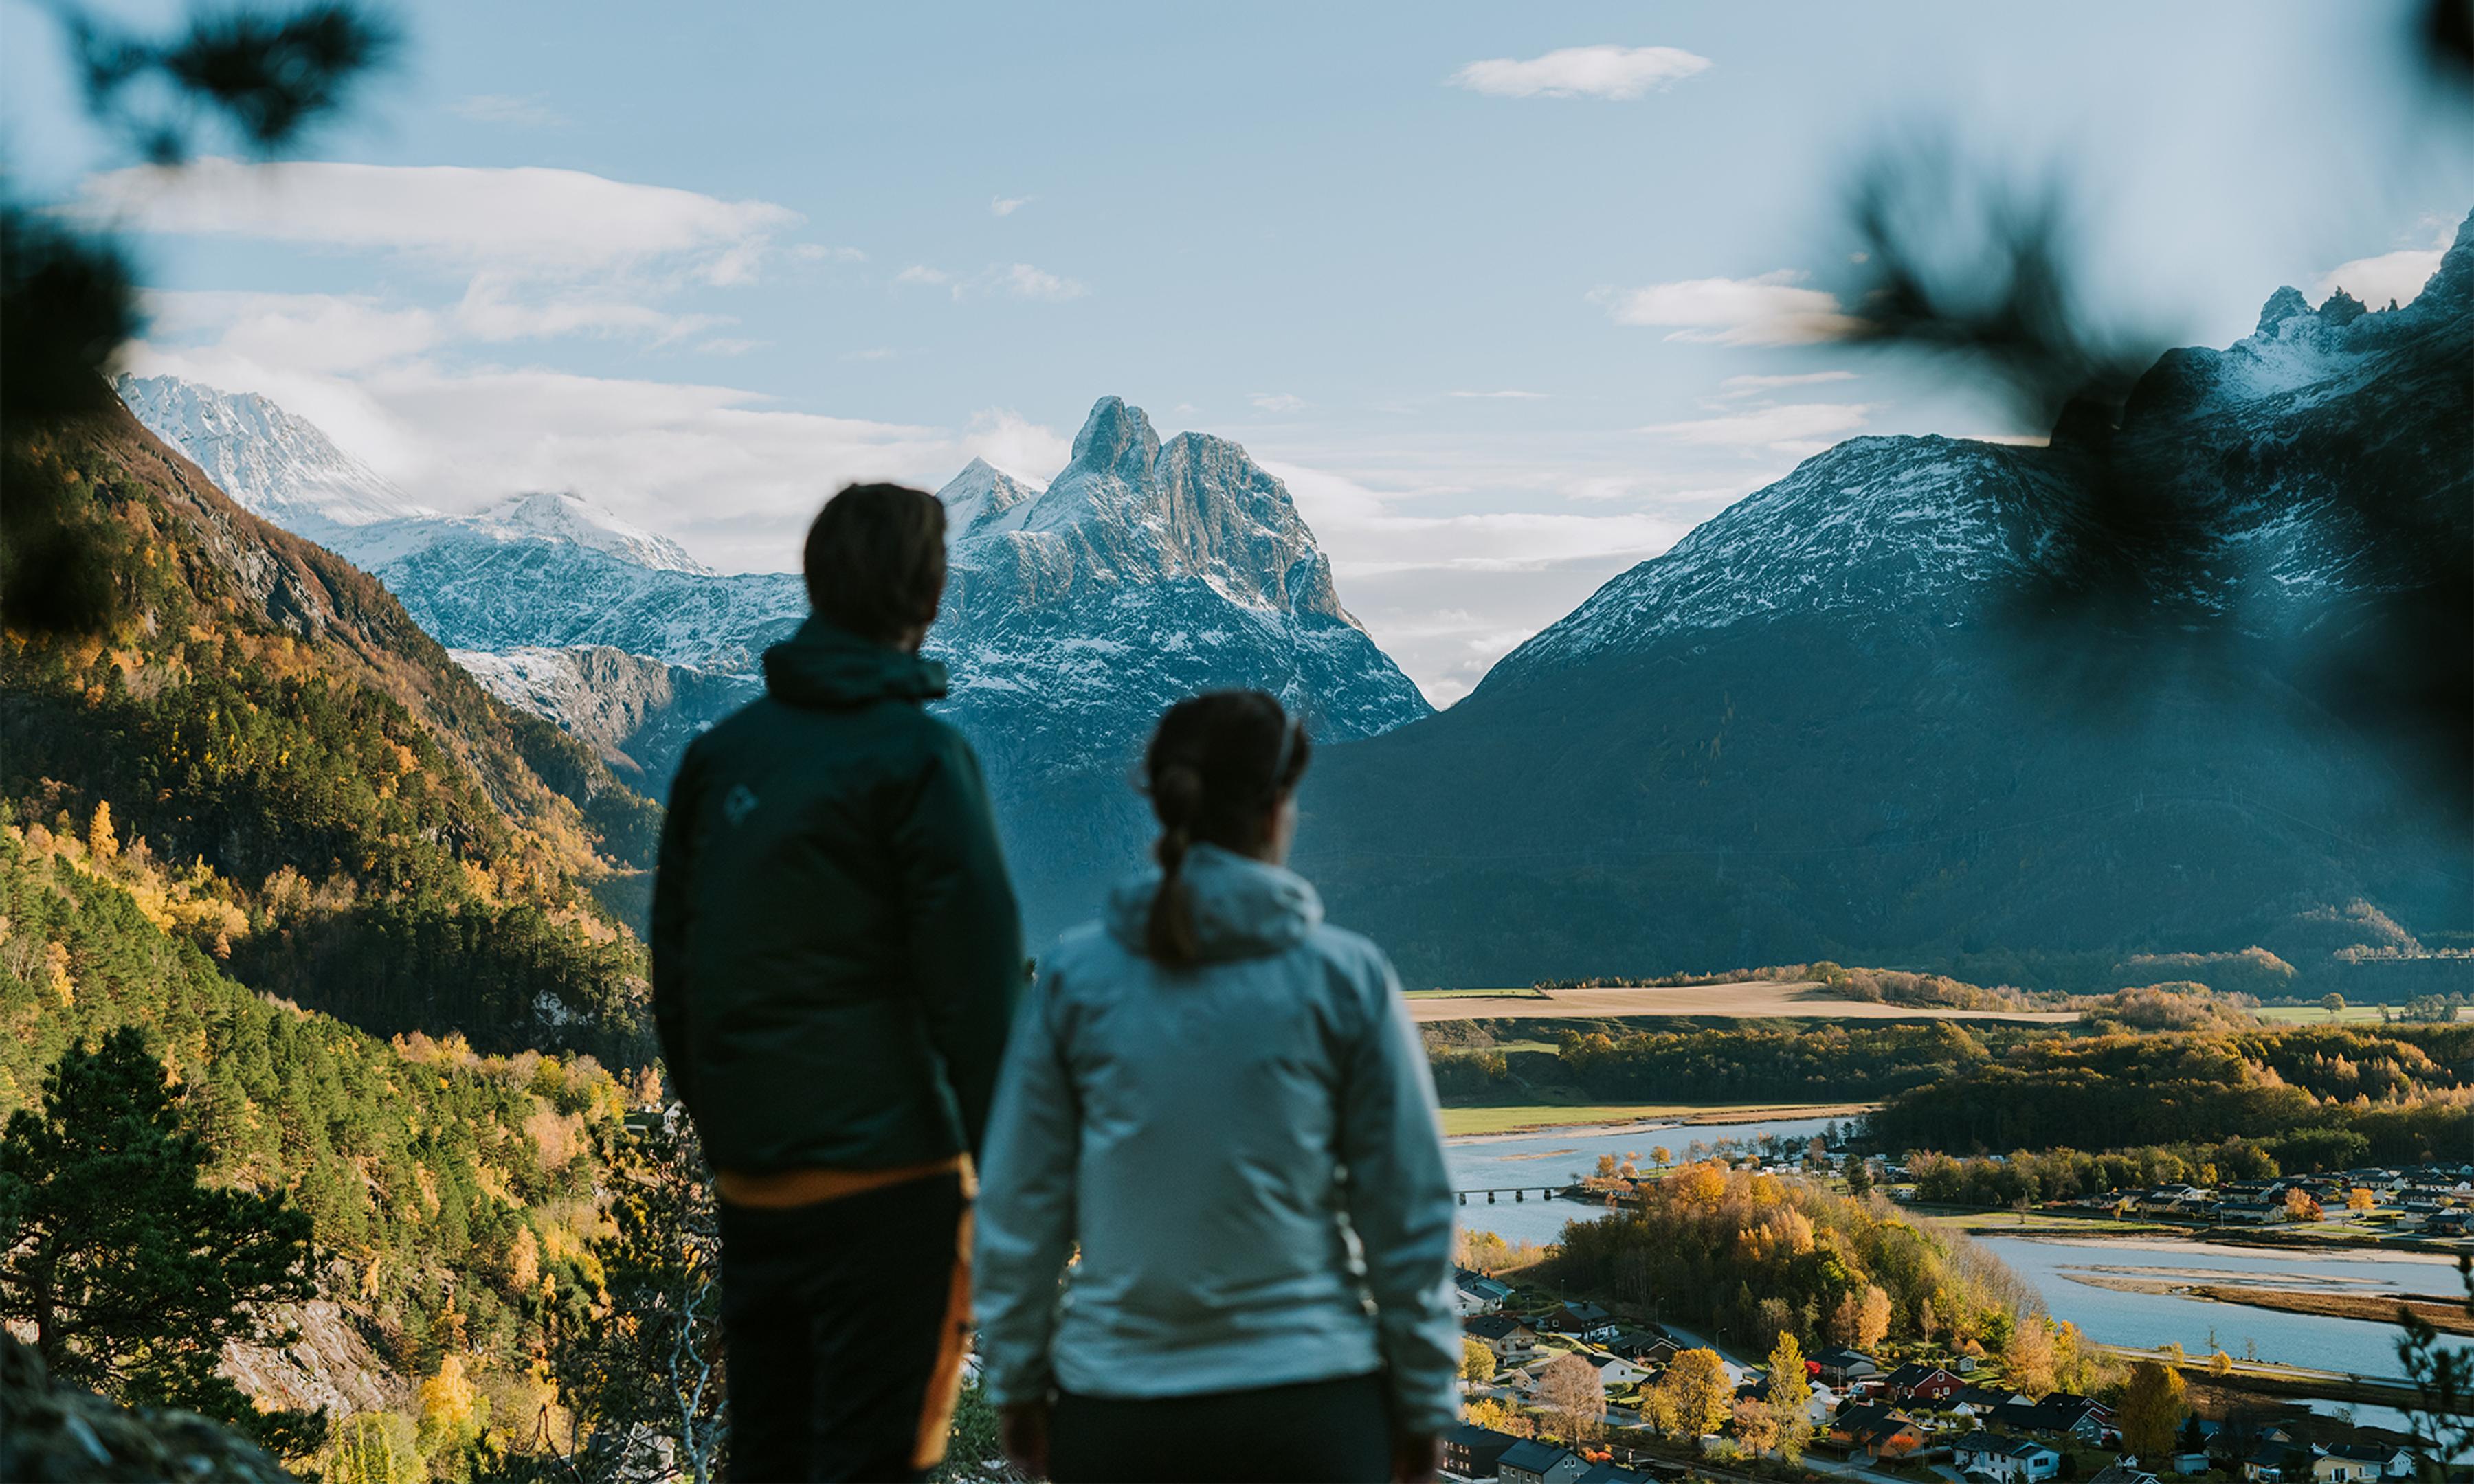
{"points": [[1615, 1372], [2011, 1460], [1475, 1293]]}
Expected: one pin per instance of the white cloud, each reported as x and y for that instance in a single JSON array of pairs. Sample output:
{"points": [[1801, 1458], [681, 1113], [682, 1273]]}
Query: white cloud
{"points": [[525, 112], [529, 218], [1007, 205], [1767, 310], [2375, 280], [727, 345], [1746, 386], [723, 469], [1797, 428], [490, 312], [307, 332], [1024, 281], [819, 252], [1519, 396], [1366, 536], [1277, 401], [1016, 445], [1613, 72], [1021, 280], [871, 353]]}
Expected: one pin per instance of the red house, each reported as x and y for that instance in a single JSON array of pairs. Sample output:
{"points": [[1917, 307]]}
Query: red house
{"points": [[1916, 1382]]}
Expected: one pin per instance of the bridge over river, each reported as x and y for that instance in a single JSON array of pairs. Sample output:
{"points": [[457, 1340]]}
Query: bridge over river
{"points": [[1542, 1192]]}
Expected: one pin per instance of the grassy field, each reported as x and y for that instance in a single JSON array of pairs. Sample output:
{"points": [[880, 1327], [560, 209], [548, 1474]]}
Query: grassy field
{"points": [[2044, 1223], [2313, 1015], [1473, 994], [1763, 998], [1510, 1117]]}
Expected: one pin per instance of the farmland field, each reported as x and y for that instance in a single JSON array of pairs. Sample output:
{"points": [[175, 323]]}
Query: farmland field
{"points": [[1745, 998]]}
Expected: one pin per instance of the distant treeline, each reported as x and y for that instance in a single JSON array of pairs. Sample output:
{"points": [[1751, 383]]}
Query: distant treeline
{"points": [[2314, 1097], [1809, 1062]]}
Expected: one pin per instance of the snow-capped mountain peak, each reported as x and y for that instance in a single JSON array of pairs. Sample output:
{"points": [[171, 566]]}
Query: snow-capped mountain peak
{"points": [[563, 516], [978, 496], [276, 464]]}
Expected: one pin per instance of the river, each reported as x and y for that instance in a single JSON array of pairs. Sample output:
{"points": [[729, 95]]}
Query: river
{"points": [[2360, 1348], [1561, 1156], [2156, 1319]]}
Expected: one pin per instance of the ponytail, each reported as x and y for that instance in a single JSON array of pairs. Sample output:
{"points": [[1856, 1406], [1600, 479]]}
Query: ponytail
{"points": [[1217, 766], [1177, 793]]}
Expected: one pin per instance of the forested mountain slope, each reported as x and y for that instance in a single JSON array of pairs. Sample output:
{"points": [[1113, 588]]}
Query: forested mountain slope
{"points": [[345, 817]]}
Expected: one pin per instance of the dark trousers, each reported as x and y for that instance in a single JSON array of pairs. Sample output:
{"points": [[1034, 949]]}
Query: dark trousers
{"points": [[843, 1322], [1339, 1431]]}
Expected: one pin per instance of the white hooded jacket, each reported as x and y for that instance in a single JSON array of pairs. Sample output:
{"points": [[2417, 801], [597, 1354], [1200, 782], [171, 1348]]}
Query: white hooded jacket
{"points": [[1247, 1152]]}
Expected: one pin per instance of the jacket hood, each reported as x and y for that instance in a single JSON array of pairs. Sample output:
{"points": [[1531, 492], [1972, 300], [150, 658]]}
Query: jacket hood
{"points": [[1242, 907], [826, 665]]}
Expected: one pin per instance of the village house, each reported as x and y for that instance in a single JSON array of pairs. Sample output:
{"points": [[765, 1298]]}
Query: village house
{"points": [[1475, 1293], [1649, 1346], [2004, 1458], [2120, 1472], [1586, 1321], [1840, 1366], [1531, 1462], [1876, 1432], [2059, 1415], [2349, 1460], [1508, 1337], [1615, 1372], [1473, 1453], [1917, 1382]]}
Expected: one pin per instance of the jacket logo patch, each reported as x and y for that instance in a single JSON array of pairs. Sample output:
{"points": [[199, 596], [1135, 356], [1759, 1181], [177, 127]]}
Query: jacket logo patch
{"points": [[738, 804]]}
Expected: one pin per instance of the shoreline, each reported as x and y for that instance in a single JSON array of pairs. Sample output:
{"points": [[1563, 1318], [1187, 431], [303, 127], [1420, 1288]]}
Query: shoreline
{"points": [[1654, 1122], [2447, 1315], [2149, 1241]]}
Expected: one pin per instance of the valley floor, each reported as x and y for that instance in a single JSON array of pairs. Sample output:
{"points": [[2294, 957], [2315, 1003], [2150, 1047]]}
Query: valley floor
{"points": [[1762, 999], [1463, 1121]]}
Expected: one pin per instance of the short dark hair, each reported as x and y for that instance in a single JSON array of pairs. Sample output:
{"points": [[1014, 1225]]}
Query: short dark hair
{"points": [[876, 559]]}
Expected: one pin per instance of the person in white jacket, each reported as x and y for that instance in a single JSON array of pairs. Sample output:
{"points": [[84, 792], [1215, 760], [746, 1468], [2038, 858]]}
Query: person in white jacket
{"points": [[1223, 1104]]}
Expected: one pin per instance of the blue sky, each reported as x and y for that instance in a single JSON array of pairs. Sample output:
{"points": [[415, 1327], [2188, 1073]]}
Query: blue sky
{"points": [[1511, 295]]}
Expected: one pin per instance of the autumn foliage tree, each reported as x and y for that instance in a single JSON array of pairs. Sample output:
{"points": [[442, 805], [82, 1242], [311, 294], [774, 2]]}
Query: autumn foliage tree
{"points": [[1570, 1391], [1748, 1254], [1694, 1396], [2154, 1406], [1788, 1396]]}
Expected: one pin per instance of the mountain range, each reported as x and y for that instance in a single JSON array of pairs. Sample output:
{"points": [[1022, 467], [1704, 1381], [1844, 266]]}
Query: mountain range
{"points": [[2016, 712], [1922, 701], [1075, 613]]}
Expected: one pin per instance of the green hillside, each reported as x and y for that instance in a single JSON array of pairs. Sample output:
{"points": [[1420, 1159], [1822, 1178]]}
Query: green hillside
{"points": [[341, 816], [452, 1196]]}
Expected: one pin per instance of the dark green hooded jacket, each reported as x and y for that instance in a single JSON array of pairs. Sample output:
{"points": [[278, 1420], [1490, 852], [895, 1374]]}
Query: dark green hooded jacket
{"points": [[836, 946]]}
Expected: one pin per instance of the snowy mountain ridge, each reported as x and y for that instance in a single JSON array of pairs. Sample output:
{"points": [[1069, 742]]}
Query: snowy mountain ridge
{"points": [[1908, 530], [285, 468]]}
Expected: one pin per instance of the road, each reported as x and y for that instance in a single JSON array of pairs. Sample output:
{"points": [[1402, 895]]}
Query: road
{"points": [[1750, 997]]}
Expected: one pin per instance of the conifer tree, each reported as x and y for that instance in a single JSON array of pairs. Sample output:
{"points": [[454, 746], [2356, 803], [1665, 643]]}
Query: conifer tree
{"points": [[130, 1273]]}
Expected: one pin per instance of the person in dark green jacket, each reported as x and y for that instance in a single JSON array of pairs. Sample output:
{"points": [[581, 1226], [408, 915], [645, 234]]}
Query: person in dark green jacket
{"points": [[835, 956]]}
